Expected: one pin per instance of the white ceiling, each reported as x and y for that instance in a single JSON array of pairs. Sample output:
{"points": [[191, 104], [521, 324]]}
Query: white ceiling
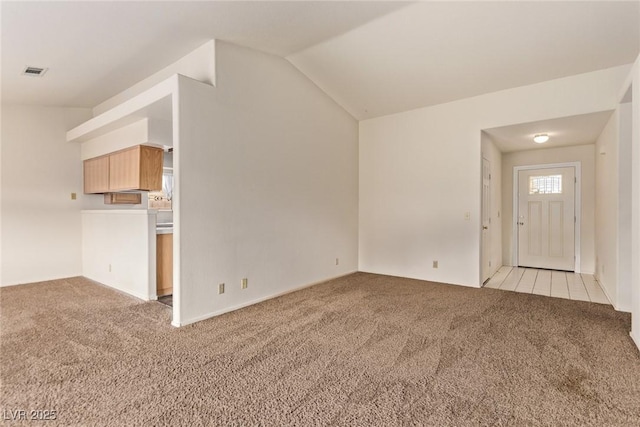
{"points": [[565, 131], [373, 58], [95, 50], [435, 52]]}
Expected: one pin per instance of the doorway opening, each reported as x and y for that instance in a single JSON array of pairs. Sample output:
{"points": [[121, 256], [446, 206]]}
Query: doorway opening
{"points": [[547, 216], [162, 202], [512, 148]]}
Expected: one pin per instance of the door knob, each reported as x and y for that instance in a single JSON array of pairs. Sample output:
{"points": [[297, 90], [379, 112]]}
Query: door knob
{"points": [[484, 227], [521, 223]]}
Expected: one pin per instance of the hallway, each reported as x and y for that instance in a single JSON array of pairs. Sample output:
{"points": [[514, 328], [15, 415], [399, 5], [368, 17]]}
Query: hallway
{"points": [[558, 284]]}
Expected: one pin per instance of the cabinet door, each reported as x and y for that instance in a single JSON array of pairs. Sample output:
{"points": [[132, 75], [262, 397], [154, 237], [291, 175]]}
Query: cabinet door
{"points": [[151, 168], [96, 175], [164, 264], [124, 169]]}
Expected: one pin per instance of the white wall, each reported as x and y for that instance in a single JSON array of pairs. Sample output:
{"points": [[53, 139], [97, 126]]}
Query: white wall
{"points": [[613, 208], [581, 153], [491, 153], [266, 168], [40, 234], [420, 173], [160, 132], [199, 64], [606, 225], [143, 131], [127, 136], [625, 166], [634, 77], [119, 250], [635, 208]]}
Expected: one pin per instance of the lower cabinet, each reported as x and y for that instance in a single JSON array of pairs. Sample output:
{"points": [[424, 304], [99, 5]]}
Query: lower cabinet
{"points": [[164, 264]]}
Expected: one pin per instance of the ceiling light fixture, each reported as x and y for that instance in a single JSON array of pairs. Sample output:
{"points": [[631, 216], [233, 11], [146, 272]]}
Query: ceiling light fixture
{"points": [[541, 138]]}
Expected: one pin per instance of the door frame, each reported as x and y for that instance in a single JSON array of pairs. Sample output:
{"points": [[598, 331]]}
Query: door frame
{"points": [[577, 207], [484, 239]]}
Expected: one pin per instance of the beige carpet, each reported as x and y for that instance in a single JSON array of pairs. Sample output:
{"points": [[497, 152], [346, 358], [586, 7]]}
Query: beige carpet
{"points": [[364, 350]]}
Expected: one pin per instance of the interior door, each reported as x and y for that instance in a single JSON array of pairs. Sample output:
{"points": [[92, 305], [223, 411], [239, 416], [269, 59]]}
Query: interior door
{"points": [[486, 219], [546, 218]]}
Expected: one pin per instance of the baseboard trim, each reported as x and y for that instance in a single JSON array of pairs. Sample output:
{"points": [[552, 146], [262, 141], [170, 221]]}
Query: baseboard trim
{"points": [[494, 270], [606, 292], [466, 285], [252, 302], [615, 306], [31, 282], [124, 291]]}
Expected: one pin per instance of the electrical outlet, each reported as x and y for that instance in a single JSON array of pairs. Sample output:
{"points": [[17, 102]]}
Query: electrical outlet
{"points": [[221, 288], [435, 264], [244, 283], [467, 216], [109, 268], [74, 196], [337, 261]]}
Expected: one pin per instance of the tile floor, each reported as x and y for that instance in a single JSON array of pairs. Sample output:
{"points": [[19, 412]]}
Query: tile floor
{"points": [[559, 284]]}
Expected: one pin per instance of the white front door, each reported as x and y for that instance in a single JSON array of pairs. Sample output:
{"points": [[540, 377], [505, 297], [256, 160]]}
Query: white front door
{"points": [[546, 218], [486, 219]]}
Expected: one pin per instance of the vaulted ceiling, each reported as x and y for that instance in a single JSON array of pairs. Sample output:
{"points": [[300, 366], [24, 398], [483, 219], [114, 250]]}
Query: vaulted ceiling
{"points": [[435, 52], [95, 50], [374, 58]]}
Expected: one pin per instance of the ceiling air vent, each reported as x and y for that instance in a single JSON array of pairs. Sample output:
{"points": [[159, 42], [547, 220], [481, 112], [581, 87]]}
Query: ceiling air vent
{"points": [[34, 71]]}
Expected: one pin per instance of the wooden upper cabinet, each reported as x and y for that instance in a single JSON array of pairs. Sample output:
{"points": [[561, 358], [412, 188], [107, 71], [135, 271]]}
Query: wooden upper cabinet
{"points": [[134, 168], [96, 175], [124, 170]]}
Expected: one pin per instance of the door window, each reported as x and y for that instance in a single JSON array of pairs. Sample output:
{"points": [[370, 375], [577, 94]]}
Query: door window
{"points": [[545, 184]]}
